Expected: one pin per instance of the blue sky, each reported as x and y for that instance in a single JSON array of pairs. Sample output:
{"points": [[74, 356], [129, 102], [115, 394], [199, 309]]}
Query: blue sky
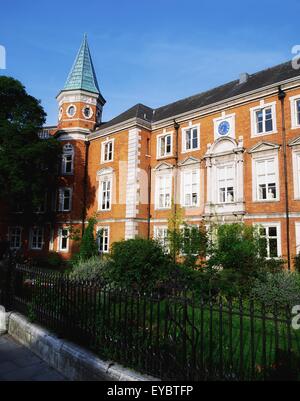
{"points": [[152, 52]]}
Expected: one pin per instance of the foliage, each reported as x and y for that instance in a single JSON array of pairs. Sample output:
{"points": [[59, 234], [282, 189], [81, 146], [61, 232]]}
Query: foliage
{"points": [[297, 263], [282, 287], [174, 232], [185, 242], [93, 268], [28, 164], [193, 243], [236, 246], [88, 245], [138, 264]]}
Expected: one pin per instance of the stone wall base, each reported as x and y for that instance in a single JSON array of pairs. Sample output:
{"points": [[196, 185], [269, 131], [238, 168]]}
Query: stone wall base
{"points": [[72, 361]]}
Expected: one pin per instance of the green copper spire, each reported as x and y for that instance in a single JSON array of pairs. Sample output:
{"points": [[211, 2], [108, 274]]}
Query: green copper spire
{"points": [[82, 75]]}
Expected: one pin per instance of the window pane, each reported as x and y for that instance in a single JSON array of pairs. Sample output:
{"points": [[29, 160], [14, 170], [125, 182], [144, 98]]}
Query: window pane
{"points": [[188, 140], [259, 121], [272, 231], [298, 111], [273, 247], [269, 121]]}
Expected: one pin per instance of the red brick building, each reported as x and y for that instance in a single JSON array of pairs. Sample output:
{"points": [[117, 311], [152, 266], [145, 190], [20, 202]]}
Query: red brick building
{"points": [[229, 154]]}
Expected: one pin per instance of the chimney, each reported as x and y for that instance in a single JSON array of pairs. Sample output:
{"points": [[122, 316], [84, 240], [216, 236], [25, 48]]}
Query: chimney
{"points": [[244, 76]]}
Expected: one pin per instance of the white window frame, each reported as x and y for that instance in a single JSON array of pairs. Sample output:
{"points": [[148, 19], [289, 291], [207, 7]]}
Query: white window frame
{"points": [[158, 148], [218, 167], [165, 176], [104, 144], [183, 187], [67, 153], [35, 248], [10, 234], [162, 240], [255, 188], [60, 238], [105, 179], [183, 134], [294, 115], [107, 228], [278, 228], [297, 236], [254, 110], [61, 198], [296, 173]]}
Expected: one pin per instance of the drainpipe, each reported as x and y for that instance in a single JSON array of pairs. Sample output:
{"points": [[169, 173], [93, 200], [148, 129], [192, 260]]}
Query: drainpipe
{"points": [[149, 199], [85, 178], [176, 127], [281, 97]]}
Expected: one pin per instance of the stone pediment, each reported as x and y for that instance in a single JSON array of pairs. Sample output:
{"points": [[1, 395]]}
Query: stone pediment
{"points": [[295, 141], [263, 147], [188, 161], [105, 171], [163, 166]]}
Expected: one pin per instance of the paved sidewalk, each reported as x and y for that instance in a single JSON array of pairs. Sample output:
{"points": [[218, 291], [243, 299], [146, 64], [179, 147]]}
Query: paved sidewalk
{"points": [[18, 363]]}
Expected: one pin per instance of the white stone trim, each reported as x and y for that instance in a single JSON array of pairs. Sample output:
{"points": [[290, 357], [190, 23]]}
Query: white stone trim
{"points": [[132, 185]]}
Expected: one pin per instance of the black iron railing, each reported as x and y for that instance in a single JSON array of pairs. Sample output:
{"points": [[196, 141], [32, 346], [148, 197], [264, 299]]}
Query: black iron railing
{"points": [[170, 335]]}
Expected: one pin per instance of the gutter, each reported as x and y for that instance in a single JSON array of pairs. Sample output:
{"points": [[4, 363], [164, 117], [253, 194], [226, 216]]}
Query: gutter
{"points": [[85, 179], [281, 98]]}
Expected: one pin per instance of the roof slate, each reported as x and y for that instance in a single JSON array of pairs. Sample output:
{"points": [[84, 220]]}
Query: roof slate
{"points": [[255, 81]]}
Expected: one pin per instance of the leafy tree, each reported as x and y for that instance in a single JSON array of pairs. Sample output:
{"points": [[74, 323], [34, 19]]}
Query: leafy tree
{"points": [[88, 245], [185, 242], [174, 232], [236, 246], [28, 164]]}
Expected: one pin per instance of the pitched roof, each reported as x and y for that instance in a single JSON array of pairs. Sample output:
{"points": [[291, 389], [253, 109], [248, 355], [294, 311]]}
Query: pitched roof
{"points": [[82, 75], [138, 111], [255, 81]]}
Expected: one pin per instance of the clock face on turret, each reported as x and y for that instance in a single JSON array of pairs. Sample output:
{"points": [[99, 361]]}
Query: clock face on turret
{"points": [[224, 128]]}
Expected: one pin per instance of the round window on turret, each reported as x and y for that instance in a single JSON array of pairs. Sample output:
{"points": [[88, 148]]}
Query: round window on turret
{"points": [[71, 111], [87, 112], [60, 113]]}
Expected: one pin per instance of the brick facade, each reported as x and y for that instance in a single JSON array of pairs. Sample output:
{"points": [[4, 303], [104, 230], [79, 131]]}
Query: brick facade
{"points": [[135, 165]]}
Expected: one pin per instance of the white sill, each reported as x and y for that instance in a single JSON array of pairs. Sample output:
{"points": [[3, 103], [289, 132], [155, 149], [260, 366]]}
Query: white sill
{"points": [[107, 161], [164, 157], [265, 200], [191, 150], [255, 135], [162, 208], [190, 207], [104, 210], [295, 127]]}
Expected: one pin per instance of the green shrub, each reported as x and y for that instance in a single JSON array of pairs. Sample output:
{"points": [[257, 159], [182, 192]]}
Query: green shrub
{"points": [[93, 268], [282, 287], [297, 263], [138, 264]]}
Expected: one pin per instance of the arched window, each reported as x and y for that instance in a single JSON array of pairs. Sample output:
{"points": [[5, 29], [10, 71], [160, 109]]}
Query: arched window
{"points": [[68, 159]]}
